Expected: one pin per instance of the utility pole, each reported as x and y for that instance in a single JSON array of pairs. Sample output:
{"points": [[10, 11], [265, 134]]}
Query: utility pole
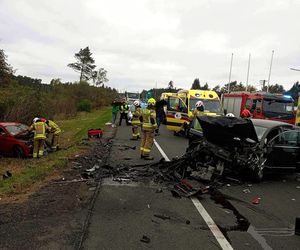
{"points": [[230, 72], [248, 71], [270, 71]]}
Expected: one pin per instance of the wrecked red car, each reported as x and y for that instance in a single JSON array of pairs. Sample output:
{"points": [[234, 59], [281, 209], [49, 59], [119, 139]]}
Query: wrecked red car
{"points": [[15, 140]]}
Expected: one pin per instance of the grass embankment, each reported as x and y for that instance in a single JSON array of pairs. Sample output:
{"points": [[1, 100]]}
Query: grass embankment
{"points": [[27, 172]]}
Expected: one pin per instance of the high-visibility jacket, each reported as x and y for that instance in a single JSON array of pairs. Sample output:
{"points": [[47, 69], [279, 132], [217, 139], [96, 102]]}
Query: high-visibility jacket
{"points": [[148, 115], [39, 130], [136, 116], [53, 127], [198, 112], [124, 108]]}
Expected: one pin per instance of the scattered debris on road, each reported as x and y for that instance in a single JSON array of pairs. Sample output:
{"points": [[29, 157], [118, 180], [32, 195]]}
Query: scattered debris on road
{"points": [[145, 239]]}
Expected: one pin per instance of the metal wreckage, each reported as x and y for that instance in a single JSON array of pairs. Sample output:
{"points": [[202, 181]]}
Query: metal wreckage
{"points": [[227, 146], [227, 149]]}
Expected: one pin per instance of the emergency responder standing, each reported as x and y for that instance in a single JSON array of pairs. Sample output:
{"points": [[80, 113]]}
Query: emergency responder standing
{"points": [[124, 108], [39, 129], [199, 108], [135, 122], [160, 114], [54, 132], [246, 113], [147, 119]]}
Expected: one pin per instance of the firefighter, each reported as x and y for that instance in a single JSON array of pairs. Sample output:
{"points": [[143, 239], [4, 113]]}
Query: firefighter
{"points": [[39, 129], [147, 119], [135, 122], [246, 113], [199, 108], [54, 132], [124, 108]]}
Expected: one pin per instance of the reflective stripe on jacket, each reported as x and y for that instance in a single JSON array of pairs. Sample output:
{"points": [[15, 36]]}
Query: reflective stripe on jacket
{"points": [[136, 116], [39, 130], [124, 108], [147, 114]]}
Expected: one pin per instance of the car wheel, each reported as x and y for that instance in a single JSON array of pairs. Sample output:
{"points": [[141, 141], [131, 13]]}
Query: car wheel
{"points": [[18, 152]]}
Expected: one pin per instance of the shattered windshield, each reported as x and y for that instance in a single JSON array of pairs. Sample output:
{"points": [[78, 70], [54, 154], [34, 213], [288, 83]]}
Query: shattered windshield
{"points": [[213, 106], [16, 129], [277, 108]]}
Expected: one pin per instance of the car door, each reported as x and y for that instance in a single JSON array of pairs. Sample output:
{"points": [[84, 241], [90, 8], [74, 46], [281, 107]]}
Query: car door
{"points": [[177, 114], [284, 150], [4, 141]]}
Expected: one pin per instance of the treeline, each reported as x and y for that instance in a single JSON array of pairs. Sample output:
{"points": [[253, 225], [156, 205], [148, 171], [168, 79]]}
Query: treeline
{"points": [[22, 98]]}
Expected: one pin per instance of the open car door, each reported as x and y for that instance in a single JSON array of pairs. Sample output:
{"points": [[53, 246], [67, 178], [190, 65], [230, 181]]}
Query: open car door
{"points": [[284, 150], [177, 114]]}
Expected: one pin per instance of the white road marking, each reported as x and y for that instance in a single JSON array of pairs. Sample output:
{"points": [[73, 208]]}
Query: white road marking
{"points": [[161, 151], [225, 245]]}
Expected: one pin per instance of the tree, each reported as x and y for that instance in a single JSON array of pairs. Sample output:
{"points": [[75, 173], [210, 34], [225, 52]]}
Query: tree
{"points": [[196, 84], [275, 89], [295, 89], [99, 77], [55, 82], [84, 64], [217, 89], [205, 87], [6, 70], [171, 85]]}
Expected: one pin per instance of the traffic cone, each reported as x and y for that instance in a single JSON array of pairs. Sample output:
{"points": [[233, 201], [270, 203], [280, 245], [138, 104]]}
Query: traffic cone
{"points": [[256, 200]]}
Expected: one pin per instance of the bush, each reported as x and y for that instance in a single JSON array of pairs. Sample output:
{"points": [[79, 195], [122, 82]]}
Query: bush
{"points": [[84, 105]]}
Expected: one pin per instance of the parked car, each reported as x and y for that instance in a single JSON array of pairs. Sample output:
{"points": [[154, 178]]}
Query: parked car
{"points": [[15, 140], [251, 143]]}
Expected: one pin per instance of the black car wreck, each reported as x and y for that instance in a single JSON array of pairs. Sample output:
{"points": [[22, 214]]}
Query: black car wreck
{"points": [[219, 145]]}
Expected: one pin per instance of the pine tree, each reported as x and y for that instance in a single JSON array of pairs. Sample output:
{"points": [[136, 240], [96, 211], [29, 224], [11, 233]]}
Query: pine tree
{"points": [[6, 70], [84, 64], [196, 84]]}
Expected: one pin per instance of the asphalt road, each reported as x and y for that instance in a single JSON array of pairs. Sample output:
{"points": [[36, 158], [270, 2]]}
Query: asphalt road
{"points": [[123, 213]]}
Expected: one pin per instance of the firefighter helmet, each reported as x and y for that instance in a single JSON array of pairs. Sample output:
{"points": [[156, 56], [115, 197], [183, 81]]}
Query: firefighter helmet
{"points": [[136, 103], [230, 115], [199, 104], [151, 101], [35, 119]]}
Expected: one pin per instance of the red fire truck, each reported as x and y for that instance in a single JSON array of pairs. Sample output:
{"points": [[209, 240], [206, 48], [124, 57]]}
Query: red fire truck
{"points": [[262, 105]]}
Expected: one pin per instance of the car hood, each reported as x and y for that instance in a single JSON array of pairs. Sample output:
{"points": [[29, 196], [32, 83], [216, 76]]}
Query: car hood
{"points": [[225, 130]]}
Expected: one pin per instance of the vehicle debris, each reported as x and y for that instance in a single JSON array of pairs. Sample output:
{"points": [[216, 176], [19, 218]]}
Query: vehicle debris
{"points": [[145, 239], [246, 191], [256, 200], [7, 175], [297, 226], [162, 216]]}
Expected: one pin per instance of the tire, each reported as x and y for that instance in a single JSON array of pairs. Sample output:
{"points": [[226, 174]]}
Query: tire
{"points": [[18, 152]]}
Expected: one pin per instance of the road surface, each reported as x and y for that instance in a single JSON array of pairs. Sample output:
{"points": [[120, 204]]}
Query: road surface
{"points": [[124, 213]]}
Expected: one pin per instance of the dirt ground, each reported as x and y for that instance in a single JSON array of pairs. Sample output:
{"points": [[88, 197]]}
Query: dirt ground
{"points": [[53, 217]]}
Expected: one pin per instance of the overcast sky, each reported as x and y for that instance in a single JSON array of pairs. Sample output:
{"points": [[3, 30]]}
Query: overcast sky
{"points": [[142, 43]]}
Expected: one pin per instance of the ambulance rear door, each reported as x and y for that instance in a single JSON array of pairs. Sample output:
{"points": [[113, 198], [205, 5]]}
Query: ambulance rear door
{"points": [[177, 114]]}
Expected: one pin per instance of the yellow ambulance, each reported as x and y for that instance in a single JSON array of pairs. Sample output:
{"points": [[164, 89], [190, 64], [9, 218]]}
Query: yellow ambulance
{"points": [[181, 106], [297, 122]]}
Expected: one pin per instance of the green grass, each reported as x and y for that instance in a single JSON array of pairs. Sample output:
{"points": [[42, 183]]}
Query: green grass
{"points": [[27, 172]]}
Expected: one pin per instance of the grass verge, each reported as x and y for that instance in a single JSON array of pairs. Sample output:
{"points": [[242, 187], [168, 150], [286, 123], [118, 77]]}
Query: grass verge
{"points": [[27, 172]]}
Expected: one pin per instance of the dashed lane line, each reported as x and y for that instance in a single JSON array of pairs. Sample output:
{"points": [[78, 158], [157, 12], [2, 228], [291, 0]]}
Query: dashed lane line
{"points": [[225, 245]]}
